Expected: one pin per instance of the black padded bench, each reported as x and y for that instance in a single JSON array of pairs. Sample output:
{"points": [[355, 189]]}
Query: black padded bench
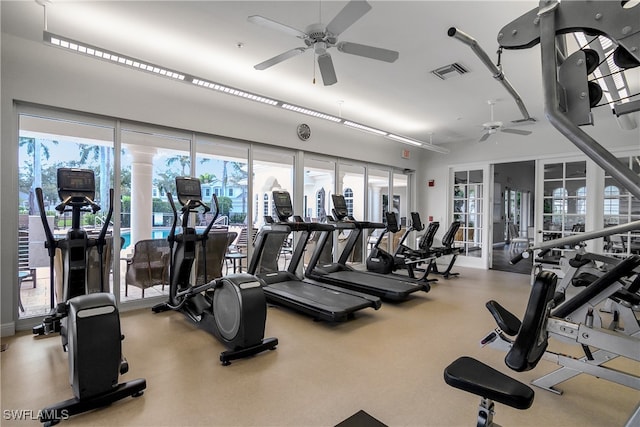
{"points": [[475, 377]]}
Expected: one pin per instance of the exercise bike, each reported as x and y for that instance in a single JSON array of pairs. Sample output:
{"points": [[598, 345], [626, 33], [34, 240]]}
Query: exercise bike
{"points": [[232, 308], [89, 323]]}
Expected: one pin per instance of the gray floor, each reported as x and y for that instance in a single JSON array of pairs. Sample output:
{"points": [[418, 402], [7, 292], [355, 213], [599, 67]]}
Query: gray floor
{"points": [[388, 362]]}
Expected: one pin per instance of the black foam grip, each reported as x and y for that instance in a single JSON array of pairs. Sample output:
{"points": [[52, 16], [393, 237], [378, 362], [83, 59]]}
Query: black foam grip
{"points": [[516, 259]]}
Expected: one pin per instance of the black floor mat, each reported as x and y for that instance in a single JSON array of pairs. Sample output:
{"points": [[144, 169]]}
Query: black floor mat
{"points": [[361, 419]]}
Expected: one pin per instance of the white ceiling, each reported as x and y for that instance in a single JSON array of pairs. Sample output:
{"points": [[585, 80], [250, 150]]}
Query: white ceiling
{"points": [[201, 39]]}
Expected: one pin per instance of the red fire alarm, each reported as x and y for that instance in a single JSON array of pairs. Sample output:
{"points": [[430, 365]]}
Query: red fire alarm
{"points": [[432, 183], [430, 218]]}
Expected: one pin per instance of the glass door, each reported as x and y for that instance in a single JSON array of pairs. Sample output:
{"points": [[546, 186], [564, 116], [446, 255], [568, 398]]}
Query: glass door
{"points": [[468, 209], [621, 207], [48, 142], [564, 198]]}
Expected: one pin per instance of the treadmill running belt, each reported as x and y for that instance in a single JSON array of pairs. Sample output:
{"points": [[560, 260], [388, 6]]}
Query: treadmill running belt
{"points": [[316, 296], [363, 281]]}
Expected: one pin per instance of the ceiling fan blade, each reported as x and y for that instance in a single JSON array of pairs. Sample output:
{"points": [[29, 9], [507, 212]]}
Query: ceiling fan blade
{"points": [[269, 23], [278, 59], [378, 53], [327, 70], [484, 137], [353, 11], [516, 131]]}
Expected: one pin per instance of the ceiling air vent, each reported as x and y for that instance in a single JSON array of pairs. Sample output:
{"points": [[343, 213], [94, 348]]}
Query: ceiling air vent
{"points": [[449, 71]]}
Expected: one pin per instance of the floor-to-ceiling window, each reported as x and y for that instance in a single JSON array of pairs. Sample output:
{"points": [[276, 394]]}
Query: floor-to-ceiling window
{"points": [[152, 158], [401, 204], [319, 185], [378, 189], [352, 186], [48, 142], [222, 168], [272, 170]]}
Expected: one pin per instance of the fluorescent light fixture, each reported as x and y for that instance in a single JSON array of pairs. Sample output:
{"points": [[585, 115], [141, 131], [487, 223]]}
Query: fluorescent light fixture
{"points": [[364, 128], [137, 64], [95, 52], [404, 139], [427, 145], [311, 113], [233, 91]]}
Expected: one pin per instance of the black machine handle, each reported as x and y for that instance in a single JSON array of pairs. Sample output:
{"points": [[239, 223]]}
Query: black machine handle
{"points": [[216, 210], [50, 243], [172, 233]]}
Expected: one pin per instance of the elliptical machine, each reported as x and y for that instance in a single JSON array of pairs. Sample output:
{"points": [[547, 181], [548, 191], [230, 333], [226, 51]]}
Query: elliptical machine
{"points": [[89, 324], [379, 260], [231, 308]]}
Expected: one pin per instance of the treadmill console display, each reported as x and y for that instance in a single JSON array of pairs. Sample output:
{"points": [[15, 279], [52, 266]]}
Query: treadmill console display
{"points": [[76, 183], [283, 205], [416, 223], [188, 188], [340, 206], [392, 222]]}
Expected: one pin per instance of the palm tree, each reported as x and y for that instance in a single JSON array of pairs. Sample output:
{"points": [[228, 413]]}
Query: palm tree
{"points": [[207, 178], [166, 182], [37, 151], [102, 154], [182, 160]]}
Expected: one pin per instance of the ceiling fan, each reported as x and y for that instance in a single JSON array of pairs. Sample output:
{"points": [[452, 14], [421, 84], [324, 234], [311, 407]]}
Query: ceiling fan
{"points": [[320, 38], [494, 126]]}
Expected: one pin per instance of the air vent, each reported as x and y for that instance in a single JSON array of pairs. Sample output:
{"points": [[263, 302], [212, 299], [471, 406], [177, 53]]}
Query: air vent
{"points": [[449, 71]]}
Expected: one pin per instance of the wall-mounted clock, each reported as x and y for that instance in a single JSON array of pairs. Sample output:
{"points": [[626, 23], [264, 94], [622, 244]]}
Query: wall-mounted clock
{"points": [[304, 131]]}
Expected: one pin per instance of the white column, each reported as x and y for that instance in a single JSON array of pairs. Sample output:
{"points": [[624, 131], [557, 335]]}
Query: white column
{"points": [[141, 191]]}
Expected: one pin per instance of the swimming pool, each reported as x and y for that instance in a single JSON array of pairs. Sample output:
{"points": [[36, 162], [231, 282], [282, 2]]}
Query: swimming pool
{"points": [[156, 233]]}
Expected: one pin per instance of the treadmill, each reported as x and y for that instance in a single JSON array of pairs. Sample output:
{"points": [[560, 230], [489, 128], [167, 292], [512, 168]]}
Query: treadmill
{"points": [[344, 276], [284, 287]]}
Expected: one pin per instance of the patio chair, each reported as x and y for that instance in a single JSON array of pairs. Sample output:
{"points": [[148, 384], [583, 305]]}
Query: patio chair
{"points": [[217, 244], [149, 265]]}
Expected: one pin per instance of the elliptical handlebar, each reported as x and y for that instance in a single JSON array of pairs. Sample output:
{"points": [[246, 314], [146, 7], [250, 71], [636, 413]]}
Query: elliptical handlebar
{"points": [[107, 220], [216, 206], [50, 242], [172, 233]]}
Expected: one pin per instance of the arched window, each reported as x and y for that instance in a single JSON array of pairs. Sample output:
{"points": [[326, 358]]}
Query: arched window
{"points": [[560, 201], [320, 211], [265, 204], [348, 197], [581, 201], [611, 200]]}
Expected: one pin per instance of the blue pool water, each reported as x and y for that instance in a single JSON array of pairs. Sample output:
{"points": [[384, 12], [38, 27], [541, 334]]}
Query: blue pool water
{"points": [[156, 233]]}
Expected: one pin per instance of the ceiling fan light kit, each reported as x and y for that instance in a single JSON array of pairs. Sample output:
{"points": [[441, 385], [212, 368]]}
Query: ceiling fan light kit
{"points": [[321, 38], [493, 126]]}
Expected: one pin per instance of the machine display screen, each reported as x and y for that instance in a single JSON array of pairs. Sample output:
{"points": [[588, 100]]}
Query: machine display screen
{"points": [[340, 204], [415, 221], [282, 201], [188, 188], [76, 183]]}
